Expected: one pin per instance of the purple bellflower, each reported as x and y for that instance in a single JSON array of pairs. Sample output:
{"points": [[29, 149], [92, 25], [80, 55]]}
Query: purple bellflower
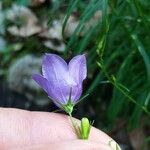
{"points": [[61, 81]]}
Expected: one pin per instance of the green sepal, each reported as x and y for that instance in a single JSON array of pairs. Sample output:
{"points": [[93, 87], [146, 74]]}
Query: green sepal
{"points": [[68, 108]]}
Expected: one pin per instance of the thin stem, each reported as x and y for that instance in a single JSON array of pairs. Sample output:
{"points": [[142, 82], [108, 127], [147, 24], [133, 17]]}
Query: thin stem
{"points": [[77, 130]]}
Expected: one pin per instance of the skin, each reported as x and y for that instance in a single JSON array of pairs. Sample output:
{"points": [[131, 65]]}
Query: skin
{"points": [[26, 130]]}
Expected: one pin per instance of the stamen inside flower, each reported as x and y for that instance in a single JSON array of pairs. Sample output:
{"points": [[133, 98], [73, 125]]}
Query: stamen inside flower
{"points": [[69, 106]]}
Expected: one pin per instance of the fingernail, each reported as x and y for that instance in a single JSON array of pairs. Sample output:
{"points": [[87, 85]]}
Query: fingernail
{"points": [[114, 145]]}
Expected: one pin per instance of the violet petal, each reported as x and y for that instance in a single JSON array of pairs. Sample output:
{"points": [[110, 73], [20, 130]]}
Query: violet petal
{"points": [[41, 81], [55, 70], [76, 93], [59, 79], [77, 68], [50, 89]]}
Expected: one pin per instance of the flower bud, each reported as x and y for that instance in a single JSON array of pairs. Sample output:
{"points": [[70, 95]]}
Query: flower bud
{"points": [[85, 128]]}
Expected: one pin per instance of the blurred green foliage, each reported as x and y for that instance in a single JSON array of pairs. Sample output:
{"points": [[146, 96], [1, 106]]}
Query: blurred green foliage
{"points": [[120, 40]]}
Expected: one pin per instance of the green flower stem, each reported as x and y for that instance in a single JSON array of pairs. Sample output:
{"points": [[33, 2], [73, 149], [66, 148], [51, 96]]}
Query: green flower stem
{"points": [[75, 126], [83, 130]]}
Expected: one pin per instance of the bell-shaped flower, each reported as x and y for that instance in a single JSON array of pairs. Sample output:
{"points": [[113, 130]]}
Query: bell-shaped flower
{"points": [[61, 81]]}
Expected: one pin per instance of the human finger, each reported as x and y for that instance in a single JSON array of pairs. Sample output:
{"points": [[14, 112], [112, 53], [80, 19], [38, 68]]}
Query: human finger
{"points": [[20, 127]]}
